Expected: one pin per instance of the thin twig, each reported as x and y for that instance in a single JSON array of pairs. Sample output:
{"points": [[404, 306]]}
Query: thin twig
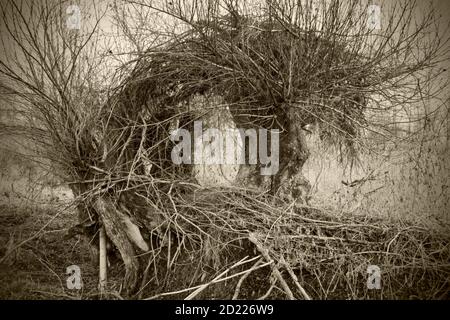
{"points": [[276, 272]]}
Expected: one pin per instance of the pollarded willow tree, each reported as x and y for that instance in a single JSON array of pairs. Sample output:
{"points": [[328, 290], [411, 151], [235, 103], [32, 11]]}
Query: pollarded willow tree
{"points": [[283, 66]]}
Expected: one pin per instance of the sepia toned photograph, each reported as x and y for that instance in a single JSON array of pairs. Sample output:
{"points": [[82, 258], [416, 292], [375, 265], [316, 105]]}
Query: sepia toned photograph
{"points": [[248, 150]]}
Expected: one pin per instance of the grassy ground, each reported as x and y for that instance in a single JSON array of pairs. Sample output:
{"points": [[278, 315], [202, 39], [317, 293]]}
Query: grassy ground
{"points": [[37, 269]]}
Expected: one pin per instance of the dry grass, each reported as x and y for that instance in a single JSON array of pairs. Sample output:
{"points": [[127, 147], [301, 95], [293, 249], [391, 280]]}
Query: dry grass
{"points": [[33, 223], [36, 269]]}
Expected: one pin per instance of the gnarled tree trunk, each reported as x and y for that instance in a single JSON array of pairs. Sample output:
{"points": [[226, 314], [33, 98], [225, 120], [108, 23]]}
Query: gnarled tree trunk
{"points": [[289, 182], [113, 222]]}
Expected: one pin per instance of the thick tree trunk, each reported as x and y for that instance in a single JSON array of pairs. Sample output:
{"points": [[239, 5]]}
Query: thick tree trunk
{"points": [[289, 183]]}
